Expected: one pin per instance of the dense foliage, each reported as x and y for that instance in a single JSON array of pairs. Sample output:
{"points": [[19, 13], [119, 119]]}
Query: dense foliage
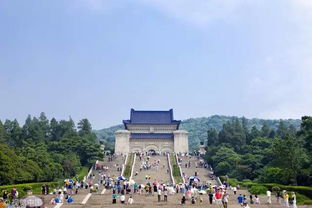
{"points": [[45, 150], [197, 128], [267, 155]]}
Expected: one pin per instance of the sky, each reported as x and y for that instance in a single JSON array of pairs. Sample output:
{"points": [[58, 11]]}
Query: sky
{"points": [[97, 59]]}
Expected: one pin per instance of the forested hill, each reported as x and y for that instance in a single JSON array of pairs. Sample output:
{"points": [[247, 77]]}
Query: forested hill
{"points": [[198, 127]]}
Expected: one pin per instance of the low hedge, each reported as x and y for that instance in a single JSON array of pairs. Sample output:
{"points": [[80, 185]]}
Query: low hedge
{"points": [[307, 191], [128, 166], [35, 187], [303, 193], [257, 190], [175, 169]]}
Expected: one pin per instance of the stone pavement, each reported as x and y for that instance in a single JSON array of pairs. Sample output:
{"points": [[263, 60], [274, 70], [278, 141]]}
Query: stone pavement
{"points": [[160, 174], [82, 193]]}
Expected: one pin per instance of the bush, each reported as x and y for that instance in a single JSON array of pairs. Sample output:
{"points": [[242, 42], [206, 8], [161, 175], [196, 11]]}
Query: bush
{"points": [[307, 191], [307, 202], [257, 189], [35, 187], [233, 181]]}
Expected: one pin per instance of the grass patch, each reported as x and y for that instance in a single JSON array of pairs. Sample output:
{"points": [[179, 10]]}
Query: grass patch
{"points": [[175, 169], [82, 173], [128, 166]]}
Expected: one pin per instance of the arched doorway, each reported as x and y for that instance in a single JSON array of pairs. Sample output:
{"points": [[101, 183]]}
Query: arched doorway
{"points": [[152, 149]]}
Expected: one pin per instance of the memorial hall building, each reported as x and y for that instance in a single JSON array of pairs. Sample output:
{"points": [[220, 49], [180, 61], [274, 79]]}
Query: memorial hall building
{"points": [[151, 131]]}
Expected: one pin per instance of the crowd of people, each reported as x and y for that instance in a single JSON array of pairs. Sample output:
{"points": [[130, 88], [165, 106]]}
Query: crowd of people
{"points": [[123, 190]]}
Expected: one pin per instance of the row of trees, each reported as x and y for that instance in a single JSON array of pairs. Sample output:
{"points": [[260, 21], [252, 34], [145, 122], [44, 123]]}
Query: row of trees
{"points": [[45, 150], [282, 155]]}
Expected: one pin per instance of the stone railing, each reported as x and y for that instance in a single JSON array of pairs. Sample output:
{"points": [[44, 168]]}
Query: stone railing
{"points": [[180, 168], [90, 171], [170, 169], [219, 181], [132, 168], [123, 165]]}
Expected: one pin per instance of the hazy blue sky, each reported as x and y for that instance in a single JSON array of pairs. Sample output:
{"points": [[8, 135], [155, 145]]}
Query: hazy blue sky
{"points": [[99, 58]]}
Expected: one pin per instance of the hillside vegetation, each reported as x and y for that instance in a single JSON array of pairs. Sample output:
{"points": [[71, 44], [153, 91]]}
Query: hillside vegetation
{"points": [[45, 150]]}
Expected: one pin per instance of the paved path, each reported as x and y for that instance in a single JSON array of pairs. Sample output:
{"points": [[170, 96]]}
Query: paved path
{"points": [[83, 197], [160, 174]]}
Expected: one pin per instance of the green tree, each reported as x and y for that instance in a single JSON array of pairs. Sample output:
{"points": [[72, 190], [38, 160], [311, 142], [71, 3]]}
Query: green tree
{"points": [[289, 155], [212, 137], [84, 127]]}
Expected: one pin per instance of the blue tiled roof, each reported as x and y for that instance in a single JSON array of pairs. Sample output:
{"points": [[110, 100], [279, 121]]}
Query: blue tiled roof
{"points": [[151, 117], [151, 136]]}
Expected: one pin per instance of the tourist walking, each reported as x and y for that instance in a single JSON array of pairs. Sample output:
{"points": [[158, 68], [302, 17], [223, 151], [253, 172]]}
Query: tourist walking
{"points": [[234, 190], [257, 200], [240, 199], [183, 199], [294, 199], [165, 195], [210, 197], [218, 197], [159, 194], [122, 199], [130, 200], [286, 199], [2, 204], [268, 193], [225, 199]]}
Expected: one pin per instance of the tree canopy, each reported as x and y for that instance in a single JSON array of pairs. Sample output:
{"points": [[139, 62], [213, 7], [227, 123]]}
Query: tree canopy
{"points": [[265, 154], [45, 150]]}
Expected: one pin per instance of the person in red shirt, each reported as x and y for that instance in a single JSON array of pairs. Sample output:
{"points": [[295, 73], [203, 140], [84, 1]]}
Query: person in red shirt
{"points": [[218, 197]]}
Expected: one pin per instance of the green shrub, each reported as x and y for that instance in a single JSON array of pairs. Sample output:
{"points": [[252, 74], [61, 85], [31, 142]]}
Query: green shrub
{"points": [[222, 178], [301, 199], [307, 191], [308, 202], [35, 187], [233, 181], [276, 189], [247, 184], [257, 189]]}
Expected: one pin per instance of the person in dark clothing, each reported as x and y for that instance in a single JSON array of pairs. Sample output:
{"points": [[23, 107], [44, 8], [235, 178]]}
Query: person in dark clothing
{"points": [[43, 189], [183, 199], [210, 197]]}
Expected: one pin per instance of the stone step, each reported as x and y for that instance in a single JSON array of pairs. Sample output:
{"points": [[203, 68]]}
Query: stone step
{"points": [[159, 174]]}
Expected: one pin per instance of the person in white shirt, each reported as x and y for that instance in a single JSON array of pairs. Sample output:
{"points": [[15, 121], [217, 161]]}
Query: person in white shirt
{"points": [[234, 190], [159, 194], [269, 196], [122, 199], [130, 200]]}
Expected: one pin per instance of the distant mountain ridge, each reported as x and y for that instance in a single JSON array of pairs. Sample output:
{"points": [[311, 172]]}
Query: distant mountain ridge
{"points": [[198, 127]]}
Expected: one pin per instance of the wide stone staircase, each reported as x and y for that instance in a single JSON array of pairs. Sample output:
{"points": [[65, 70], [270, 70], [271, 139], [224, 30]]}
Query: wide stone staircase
{"points": [[95, 197], [103, 198], [204, 174], [160, 173]]}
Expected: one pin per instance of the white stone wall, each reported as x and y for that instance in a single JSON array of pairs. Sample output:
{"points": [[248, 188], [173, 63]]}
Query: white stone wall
{"points": [[143, 145], [181, 141], [122, 143], [152, 128]]}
